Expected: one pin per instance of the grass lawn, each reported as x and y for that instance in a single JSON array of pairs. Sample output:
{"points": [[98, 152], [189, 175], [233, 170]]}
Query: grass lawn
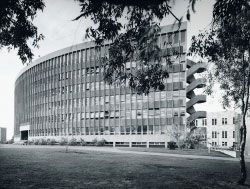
{"points": [[31, 167]]}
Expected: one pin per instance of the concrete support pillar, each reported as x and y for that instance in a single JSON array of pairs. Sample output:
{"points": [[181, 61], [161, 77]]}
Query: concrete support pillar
{"points": [[130, 144], [166, 144], [147, 144], [114, 144]]}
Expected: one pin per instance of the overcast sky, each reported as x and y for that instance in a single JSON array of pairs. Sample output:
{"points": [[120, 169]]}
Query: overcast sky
{"points": [[55, 22]]}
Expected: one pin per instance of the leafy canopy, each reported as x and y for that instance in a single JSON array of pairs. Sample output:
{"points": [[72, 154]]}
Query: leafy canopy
{"points": [[132, 26], [227, 45], [16, 26]]}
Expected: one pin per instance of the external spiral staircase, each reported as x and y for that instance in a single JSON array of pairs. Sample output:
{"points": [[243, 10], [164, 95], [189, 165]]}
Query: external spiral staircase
{"points": [[194, 83]]}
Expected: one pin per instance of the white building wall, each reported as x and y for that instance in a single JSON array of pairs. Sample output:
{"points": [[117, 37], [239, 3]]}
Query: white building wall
{"points": [[247, 149], [217, 127]]}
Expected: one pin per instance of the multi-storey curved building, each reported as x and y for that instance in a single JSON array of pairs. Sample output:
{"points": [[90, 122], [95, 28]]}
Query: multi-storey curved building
{"points": [[63, 95]]}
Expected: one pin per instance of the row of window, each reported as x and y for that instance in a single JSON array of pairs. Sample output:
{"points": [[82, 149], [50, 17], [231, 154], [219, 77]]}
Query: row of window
{"points": [[105, 130], [94, 53], [224, 121], [136, 103], [222, 143], [47, 77], [223, 134], [108, 102], [133, 114], [107, 119], [78, 88]]}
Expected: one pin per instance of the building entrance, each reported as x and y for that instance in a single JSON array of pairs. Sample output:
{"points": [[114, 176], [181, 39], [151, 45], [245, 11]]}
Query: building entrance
{"points": [[24, 135]]}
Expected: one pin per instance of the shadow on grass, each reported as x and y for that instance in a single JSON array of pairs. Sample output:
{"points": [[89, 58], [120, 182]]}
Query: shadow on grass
{"points": [[160, 166], [76, 152], [246, 185]]}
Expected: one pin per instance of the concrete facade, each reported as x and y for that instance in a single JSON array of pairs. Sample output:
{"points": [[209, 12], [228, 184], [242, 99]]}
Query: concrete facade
{"points": [[221, 128], [3, 132], [63, 95]]}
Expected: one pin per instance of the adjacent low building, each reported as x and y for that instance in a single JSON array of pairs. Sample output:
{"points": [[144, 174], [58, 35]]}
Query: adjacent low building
{"points": [[221, 128], [248, 134], [3, 132]]}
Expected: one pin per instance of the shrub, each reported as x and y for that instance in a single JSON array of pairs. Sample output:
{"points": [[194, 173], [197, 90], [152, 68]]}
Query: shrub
{"points": [[30, 142], [11, 141], [192, 146], [42, 141], [36, 141], [183, 146], [51, 141], [48, 141], [192, 142], [73, 142], [172, 145], [63, 141], [82, 142], [100, 142], [94, 142]]}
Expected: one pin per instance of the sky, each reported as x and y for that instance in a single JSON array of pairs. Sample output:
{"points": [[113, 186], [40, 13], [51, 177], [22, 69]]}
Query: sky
{"points": [[55, 23]]}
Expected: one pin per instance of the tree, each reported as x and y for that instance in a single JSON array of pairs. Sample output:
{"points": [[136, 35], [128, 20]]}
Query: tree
{"points": [[16, 27], [138, 21], [227, 46], [132, 26]]}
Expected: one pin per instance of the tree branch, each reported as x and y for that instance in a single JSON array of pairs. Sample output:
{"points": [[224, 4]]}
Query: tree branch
{"points": [[179, 20]]}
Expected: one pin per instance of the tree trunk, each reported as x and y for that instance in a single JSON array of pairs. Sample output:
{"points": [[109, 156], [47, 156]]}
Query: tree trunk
{"points": [[243, 133]]}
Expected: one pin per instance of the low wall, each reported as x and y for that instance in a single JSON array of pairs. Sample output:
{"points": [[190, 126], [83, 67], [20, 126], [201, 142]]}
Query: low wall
{"points": [[231, 153]]}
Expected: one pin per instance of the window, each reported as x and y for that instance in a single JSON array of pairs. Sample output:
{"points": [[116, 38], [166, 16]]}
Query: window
{"points": [[224, 143], [92, 101], [233, 134], [87, 100], [101, 85], [214, 134], [163, 40], [214, 121], [183, 36], [196, 123], [170, 38], [214, 143], [101, 114], [151, 112], [233, 120], [163, 96], [101, 102], [87, 86], [204, 122], [224, 134], [70, 88], [176, 37], [157, 113], [224, 121], [157, 96], [106, 100], [83, 71]]}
